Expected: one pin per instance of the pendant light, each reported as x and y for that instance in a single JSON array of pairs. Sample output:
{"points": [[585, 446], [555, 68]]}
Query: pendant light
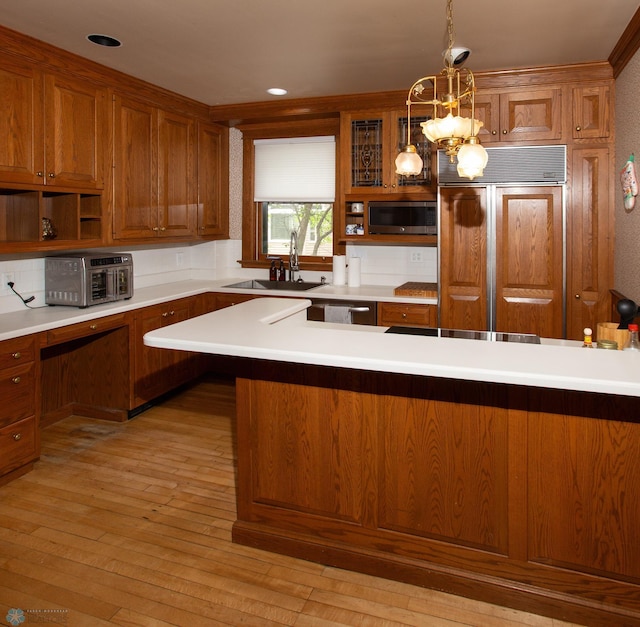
{"points": [[446, 93]]}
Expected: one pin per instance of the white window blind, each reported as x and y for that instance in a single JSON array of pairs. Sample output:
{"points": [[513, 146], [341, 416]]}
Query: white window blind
{"points": [[295, 169]]}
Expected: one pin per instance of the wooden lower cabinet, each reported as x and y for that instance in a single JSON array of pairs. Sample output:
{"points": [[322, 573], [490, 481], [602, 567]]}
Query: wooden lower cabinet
{"points": [[19, 441], [519, 496], [407, 314], [158, 370]]}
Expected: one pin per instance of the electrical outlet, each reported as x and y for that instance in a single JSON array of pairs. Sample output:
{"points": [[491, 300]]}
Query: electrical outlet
{"points": [[7, 277], [179, 260], [416, 256]]}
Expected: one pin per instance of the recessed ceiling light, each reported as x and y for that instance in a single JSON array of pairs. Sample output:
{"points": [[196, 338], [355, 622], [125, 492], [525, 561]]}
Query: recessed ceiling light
{"points": [[104, 40], [277, 91]]}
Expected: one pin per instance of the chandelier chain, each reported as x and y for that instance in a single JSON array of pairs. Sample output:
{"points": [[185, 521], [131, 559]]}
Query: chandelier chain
{"points": [[450, 31]]}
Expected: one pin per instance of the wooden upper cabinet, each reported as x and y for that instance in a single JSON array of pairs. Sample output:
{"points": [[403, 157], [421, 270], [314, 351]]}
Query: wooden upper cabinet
{"points": [[213, 181], [591, 112], [154, 172], [176, 175], [135, 169], [369, 144], [75, 131], [52, 129], [520, 116], [21, 123]]}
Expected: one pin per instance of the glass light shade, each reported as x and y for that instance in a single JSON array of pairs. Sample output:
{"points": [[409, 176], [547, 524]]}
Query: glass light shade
{"points": [[472, 159], [450, 126], [408, 162]]}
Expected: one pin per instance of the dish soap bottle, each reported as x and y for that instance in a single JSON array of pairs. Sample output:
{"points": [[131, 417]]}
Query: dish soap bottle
{"points": [[273, 272], [634, 344]]}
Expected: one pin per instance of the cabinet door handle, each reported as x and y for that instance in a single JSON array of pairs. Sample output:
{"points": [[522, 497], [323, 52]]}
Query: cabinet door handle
{"points": [[165, 314], [577, 296], [494, 132], [16, 436], [16, 355], [16, 380], [504, 132], [93, 327], [163, 228], [40, 174], [155, 228], [172, 313], [52, 175], [578, 128]]}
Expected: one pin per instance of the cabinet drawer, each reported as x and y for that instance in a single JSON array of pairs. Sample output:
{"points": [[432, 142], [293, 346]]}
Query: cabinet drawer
{"points": [[18, 351], [406, 314], [18, 444], [85, 329], [17, 391]]}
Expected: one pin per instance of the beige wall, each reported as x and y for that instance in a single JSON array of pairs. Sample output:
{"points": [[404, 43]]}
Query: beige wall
{"points": [[627, 246]]}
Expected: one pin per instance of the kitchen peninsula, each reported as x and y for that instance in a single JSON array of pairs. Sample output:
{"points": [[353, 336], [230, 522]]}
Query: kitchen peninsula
{"points": [[502, 471]]}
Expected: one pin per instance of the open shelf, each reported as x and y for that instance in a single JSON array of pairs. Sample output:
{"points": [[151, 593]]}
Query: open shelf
{"points": [[32, 219]]}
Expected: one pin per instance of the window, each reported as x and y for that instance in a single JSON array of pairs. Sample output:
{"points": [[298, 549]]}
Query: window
{"points": [[313, 223], [291, 187]]}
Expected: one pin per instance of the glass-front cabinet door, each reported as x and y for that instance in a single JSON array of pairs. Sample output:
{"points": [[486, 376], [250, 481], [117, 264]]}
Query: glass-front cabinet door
{"points": [[371, 142]]}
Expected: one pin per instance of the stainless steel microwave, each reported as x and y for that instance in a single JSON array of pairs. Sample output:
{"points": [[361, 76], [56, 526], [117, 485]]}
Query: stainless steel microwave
{"points": [[403, 217]]}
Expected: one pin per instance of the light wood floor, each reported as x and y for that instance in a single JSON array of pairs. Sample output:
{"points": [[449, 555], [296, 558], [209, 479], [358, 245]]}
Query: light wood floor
{"points": [[130, 524]]}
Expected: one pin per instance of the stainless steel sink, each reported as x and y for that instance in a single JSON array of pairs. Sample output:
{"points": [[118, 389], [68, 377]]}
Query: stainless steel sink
{"points": [[288, 286]]}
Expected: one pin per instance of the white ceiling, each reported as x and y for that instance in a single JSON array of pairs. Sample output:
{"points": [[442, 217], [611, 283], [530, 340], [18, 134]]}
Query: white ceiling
{"points": [[231, 51]]}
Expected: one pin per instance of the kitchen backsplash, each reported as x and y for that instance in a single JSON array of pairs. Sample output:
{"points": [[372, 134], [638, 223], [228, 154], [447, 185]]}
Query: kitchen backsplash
{"points": [[380, 265]]}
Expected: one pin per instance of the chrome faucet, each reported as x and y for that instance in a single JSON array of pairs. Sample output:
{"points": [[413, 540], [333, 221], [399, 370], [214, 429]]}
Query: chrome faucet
{"points": [[293, 256]]}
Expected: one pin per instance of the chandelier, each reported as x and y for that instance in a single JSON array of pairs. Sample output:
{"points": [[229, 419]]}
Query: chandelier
{"points": [[446, 93]]}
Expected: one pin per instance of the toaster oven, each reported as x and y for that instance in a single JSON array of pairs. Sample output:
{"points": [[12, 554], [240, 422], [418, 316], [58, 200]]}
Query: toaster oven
{"points": [[85, 279]]}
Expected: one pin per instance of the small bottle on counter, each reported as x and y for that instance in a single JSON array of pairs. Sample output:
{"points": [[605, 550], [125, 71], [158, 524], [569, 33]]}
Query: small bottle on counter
{"points": [[273, 272], [588, 338], [634, 343], [282, 273]]}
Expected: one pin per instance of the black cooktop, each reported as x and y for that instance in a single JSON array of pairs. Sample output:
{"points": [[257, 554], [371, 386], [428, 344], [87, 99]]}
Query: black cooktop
{"points": [[487, 336]]}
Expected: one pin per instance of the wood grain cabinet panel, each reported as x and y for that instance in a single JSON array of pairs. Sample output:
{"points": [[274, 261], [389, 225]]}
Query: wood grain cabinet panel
{"points": [[590, 241], [158, 370], [463, 266], [452, 484], [52, 127], [591, 112], [19, 443], [307, 457], [527, 115], [75, 132], [213, 181], [584, 514], [85, 329], [155, 172], [529, 261], [21, 123], [407, 314]]}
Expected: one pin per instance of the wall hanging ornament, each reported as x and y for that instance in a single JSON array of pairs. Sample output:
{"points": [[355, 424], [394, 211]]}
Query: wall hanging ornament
{"points": [[629, 182]]}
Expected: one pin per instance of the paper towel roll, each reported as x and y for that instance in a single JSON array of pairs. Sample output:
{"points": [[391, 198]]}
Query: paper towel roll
{"points": [[339, 269], [354, 272]]}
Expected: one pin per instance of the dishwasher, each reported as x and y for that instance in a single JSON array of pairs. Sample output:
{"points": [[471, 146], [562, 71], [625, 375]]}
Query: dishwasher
{"points": [[342, 311]]}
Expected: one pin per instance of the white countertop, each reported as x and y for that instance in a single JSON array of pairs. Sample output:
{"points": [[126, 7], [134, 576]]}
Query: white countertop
{"points": [[27, 320], [277, 329]]}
